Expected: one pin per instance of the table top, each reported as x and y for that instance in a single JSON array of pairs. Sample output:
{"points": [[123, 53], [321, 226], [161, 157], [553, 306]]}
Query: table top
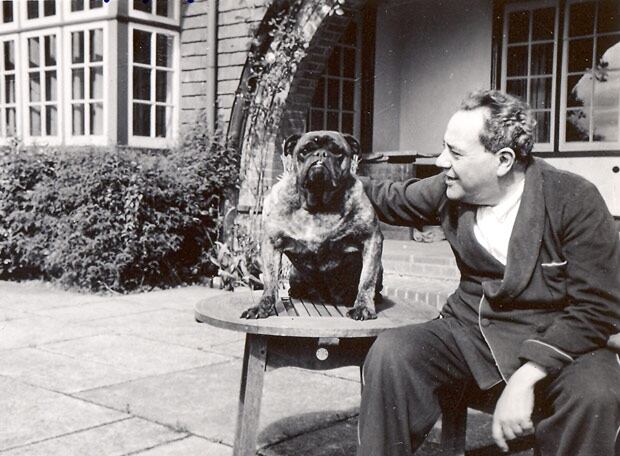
{"points": [[300, 318]]}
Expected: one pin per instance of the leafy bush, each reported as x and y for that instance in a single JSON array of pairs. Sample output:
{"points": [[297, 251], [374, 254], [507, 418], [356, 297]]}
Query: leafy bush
{"points": [[113, 218]]}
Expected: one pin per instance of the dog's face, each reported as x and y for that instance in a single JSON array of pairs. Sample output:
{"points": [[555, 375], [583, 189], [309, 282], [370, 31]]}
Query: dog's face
{"points": [[322, 165]]}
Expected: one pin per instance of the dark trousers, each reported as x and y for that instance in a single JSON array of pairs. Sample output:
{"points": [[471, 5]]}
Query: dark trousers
{"points": [[409, 370]]}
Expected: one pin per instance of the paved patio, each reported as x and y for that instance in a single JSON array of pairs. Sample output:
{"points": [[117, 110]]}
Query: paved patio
{"points": [[118, 375]]}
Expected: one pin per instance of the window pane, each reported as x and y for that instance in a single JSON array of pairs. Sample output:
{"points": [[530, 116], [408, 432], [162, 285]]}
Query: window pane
{"points": [[96, 45], [607, 91], [577, 126], [35, 87], [348, 69], [350, 35], [77, 5], [50, 50], [96, 4], [141, 119], [581, 19], [33, 52], [542, 59], [141, 47], [164, 51], [32, 6], [319, 94], [517, 87], [316, 120], [77, 84], [9, 55], [518, 26], [51, 120], [608, 52], [580, 55], [605, 126], [50, 86], [347, 123], [540, 93], [579, 90], [333, 65], [164, 8], [35, 121], [141, 84], [7, 11], [348, 95], [160, 121], [96, 119], [609, 16], [96, 83], [77, 47], [9, 88], [517, 61], [543, 24], [78, 120], [141, 5], [333, 93], [49, 7], [543, 127], [332, 121], [11, 122], [162, 84]]}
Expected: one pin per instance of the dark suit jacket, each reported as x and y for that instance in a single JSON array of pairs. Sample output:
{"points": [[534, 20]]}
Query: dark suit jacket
{"points": [[559, 296]]}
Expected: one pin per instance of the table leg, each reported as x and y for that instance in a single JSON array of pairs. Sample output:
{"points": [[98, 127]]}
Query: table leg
{"points": [[252, 375]]}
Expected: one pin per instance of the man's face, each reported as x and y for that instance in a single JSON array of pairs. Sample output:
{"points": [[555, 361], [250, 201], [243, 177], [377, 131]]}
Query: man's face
{"points": [[470, 170]]}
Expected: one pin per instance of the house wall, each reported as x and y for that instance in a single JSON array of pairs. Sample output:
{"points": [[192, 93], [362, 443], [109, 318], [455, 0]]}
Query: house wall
{"points": [[429, 55]]}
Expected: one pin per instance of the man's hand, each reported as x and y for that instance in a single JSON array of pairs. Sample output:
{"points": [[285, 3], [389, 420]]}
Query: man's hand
{"points": [[513, 412]]}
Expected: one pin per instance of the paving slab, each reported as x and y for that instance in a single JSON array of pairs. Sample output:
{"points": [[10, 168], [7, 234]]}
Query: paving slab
{"points": [[168, 325], [59, 372], [115, 439], [37, 330], [189, 446], [33, 414], [96, 310], [204, 401], [36, 295], [180, 298], [135, 354]]}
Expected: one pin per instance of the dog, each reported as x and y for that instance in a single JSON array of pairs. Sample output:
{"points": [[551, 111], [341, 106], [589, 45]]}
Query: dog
{"points": [[318, 215]]}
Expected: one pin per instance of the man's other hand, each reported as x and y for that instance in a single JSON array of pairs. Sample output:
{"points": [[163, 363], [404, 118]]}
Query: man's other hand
{"points": [[513, 412]]}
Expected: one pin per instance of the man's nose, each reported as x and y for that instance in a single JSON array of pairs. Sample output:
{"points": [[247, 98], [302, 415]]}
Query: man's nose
{"points": [[443, 161]]}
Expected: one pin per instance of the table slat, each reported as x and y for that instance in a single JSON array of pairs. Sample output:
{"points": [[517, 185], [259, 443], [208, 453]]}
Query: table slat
{"points": [[311, 308]]}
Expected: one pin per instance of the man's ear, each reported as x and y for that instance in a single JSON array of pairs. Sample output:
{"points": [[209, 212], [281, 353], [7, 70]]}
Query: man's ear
{"points": [[506, 160], [353, 144], [289, 144]]}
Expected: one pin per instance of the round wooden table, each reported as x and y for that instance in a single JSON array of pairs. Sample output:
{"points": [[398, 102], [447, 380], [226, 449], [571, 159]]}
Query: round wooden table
{"points": [[303, 334]]}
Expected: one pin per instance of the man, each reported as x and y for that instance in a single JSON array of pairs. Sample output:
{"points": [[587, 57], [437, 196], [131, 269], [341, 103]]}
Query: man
{"points": [[538, 298]]}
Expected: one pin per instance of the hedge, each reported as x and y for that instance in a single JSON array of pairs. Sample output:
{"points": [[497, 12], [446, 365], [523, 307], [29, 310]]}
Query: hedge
{"points": [[113, 218]]}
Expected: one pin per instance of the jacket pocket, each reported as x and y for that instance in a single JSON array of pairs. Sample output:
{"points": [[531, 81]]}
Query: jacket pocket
{"points": [[554, 274]]}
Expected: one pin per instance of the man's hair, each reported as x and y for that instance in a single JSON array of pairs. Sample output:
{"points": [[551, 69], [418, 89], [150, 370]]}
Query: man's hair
{"points": [[509, 123]]}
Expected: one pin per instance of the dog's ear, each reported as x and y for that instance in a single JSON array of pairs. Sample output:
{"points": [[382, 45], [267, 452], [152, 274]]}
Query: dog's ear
{"points": [[289, 144], [354, 144]]}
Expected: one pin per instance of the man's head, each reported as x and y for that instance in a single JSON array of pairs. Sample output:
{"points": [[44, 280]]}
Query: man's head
{"points": [[486, 142]]}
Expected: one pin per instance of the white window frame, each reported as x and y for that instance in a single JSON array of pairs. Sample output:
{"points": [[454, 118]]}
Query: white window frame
{"points": [[41, 20], [108, 85], [530, 6], [174, 20], [577, 146], [9, 26], [87, 12], [43, 139], [18, 83], [172, 133]]}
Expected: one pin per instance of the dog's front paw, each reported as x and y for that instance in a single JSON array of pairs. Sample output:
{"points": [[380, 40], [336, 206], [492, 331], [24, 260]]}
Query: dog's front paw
{"points": [[361, 313], [255, 312]]}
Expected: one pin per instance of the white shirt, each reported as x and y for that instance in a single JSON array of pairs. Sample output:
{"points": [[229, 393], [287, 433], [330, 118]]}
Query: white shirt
{"points": [[494, 224]]}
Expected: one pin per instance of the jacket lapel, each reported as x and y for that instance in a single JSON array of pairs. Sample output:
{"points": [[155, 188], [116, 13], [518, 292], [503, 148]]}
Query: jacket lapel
{"points": [[525, 240]]}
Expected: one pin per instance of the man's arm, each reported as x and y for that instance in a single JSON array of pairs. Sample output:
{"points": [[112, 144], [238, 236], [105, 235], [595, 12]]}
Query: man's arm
{"points": [[589, 240], [413, 202]]}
